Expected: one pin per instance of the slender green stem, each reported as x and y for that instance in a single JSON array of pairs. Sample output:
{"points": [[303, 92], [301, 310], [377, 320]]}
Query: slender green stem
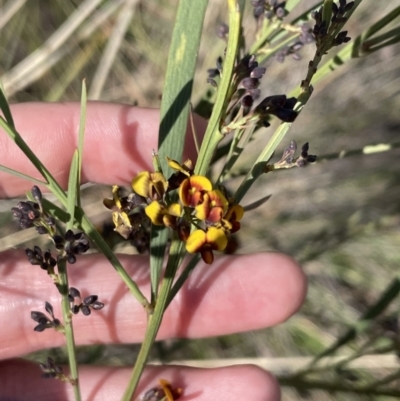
{"points": [[213, 136], [68, 327], [154, 322]]}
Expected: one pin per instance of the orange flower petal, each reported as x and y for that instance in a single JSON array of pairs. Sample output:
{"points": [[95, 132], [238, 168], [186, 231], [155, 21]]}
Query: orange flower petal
{"points": [[192, 188]]}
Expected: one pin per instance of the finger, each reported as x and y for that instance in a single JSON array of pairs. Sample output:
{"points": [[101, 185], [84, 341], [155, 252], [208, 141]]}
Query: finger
{"points": [[101, 383], [234, 294], [119, 140]]}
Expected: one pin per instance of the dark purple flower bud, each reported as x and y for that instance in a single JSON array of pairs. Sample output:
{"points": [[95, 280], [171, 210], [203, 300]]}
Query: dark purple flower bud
{"points": [[258, 12], [250, 83], [90, 299], [286, 115], [280, 12], [36, 193], [39, 316], [86, 310], [258, 72], [349, 6], [290, 103], [97, 305], [71, 258], [75, 309], [247, 101], [58, 241], [74, 292], [49, 309]]}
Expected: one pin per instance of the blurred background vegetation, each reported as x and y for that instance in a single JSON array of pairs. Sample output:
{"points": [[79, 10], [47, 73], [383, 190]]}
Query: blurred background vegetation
{"points": [[339, 217]]}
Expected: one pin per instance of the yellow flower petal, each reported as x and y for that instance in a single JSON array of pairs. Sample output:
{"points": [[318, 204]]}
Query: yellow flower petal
{"points": [[140, 184], [235, 213], [175, 209], [216, 238], [155, 213], [195, 241]]}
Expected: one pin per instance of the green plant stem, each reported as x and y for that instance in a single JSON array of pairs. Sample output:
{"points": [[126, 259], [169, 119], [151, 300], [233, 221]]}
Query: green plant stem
{"points": [[154, 322], [68, 327], [213, 136]]}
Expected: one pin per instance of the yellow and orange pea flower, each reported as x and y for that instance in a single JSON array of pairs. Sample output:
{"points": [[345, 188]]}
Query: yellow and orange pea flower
{"points": [[150, 185], [192, 190], [214, 215], [205, 242]]}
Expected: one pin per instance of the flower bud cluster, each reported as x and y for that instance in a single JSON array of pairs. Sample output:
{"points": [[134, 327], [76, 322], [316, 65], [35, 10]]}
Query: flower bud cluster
{"points": [[44, 322], [241, 111], [269, 9], [322, 27], [203, 218], [51, 370], [86, 305], [288, 159]]}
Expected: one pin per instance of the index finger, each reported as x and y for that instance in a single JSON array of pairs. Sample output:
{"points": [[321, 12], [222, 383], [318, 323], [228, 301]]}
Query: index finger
{"points": [[119, 140]]}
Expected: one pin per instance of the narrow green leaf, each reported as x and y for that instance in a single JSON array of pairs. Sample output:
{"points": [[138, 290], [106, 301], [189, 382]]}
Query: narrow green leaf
{"points": [[382, 23], [175, 107], [213, 135], [177, 91], [5, 108], [21, 175], [73, 189], [81, 137]]}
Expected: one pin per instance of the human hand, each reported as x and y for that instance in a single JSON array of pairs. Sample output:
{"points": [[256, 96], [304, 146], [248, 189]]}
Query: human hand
{"points": [[235, 294]]}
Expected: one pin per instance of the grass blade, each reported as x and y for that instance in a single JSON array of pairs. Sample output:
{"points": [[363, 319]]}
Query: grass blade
{"points": [[175, 108]]}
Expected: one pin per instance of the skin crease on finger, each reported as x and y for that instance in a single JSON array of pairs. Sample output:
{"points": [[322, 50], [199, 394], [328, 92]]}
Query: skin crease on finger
{"points": [[235, 383]]}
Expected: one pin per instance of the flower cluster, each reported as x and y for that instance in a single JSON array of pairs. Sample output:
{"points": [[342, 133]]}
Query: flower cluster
{"points": [[288, 159], [44, 322], [245, 82], [51, 370], [268, 8], [203, 217], [86, 305], [322, 27]]}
